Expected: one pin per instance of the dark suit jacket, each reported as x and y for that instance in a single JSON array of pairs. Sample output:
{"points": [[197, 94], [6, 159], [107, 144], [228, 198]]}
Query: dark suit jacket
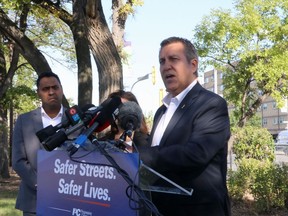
{"points": [[193, 153]]}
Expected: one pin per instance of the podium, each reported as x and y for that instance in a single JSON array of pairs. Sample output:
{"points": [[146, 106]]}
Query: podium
{"points": [[90, 184], [149, 178]]}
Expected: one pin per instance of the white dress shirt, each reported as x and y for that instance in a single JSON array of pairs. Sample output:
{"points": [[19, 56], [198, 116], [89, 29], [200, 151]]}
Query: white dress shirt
{"points": [[172, 104], [46, 120]]}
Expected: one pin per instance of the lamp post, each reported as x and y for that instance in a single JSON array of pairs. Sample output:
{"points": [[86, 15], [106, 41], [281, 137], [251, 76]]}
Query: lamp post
{"points": [[153, 74], [140, 79]]}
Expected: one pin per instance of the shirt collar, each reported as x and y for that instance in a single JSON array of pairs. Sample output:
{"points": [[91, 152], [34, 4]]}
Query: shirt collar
{"points": [[178, 98], [60, 114]]}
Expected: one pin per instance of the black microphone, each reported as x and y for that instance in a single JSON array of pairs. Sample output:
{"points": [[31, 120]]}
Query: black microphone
{"points": [[57, 138], [107, 114], [130, 117], [91, 118], [61, 135], [73, 116]]}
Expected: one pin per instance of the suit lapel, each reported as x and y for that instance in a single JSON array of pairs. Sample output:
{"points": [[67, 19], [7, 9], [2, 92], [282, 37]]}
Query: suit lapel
{"points": [[180, 111], [37, 119], [158, 116]]}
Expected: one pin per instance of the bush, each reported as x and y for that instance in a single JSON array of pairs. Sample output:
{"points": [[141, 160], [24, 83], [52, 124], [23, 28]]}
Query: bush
{"points": [[241, 180], [270, 187], [253, 142], [265, 181]]}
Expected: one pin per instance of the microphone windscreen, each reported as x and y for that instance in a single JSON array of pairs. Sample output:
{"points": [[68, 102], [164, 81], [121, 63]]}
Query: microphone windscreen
{"points": [[131, 112]]}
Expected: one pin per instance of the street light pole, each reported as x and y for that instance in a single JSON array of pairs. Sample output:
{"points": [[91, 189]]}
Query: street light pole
{"points": [[153, 73], [140, 79]]}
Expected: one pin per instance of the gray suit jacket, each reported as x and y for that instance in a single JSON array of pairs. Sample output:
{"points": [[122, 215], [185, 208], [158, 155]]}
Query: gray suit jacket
{"points": [[24, 157]]}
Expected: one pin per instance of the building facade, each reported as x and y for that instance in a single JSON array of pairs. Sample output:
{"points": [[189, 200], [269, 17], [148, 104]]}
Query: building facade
{"points": [[273, 118]]}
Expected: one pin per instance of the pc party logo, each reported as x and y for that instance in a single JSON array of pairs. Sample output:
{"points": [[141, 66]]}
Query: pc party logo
{"points": [[80, 212]]}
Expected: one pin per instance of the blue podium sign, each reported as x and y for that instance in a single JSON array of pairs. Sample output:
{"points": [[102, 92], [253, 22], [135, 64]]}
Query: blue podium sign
{"points": [[92, 187]]}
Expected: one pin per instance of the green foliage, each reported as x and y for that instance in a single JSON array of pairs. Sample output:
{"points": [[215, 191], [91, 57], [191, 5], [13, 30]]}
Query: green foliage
{"points": [[253, 142], [266, 182], [240, 181], [129, 9], [270, 187], [49, 33], [250, 47], [255, 121], [22, 95]]}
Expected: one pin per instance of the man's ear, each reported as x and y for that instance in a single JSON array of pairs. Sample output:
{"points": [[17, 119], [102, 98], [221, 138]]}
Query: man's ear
{"points": [[194, 63]]}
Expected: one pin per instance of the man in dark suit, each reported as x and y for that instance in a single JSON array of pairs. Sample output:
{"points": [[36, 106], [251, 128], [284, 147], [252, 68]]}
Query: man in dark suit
{"points": [[25, 142], [189, 137]]}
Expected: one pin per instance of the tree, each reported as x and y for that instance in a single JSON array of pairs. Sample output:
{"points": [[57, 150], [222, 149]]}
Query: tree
{"points": [[104, 45], [250, 47], [12, 36], [89, 29]]}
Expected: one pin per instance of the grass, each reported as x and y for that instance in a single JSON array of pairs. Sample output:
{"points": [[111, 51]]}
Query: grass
{"points": [[7, 204], [8, 194]]}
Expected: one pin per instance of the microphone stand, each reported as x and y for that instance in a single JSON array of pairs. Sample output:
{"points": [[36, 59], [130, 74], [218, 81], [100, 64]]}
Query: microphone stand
{"points": [[145, 201], [82, 139]]}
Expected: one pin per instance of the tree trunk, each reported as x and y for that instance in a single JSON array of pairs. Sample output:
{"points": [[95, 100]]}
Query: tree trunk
{"points": [[4, 155], [104, 51], [76, 22], [78, 28], [4, 162]]}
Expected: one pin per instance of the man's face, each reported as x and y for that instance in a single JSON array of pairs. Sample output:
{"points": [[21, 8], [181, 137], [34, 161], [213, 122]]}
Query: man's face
{"points": [[176, 71], [50, 92]]}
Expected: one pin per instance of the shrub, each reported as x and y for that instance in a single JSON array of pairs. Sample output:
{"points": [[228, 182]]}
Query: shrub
{"points": [[253, 142], [265, 181], [241, 180], [270, 187]]}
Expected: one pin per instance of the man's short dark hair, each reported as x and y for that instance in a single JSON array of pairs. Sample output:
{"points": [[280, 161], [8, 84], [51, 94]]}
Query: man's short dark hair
{"points": [[190, 50], [46, 74]]}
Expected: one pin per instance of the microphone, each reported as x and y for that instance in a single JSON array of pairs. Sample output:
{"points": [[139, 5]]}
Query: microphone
{"points": [[56, 139], [130, 117], [73, 116], [91, 118], [107, 114]]}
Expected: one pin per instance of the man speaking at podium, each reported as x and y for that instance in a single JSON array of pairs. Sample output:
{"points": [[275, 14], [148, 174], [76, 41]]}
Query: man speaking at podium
{"points": [[189, 137]]}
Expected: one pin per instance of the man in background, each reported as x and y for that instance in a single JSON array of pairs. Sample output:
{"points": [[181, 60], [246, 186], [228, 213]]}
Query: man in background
{"points": [[26, 143]]}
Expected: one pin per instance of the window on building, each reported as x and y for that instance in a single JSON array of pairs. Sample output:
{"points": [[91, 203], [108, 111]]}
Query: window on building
{"points": [[264, 106], [274, 105], [206, 79], [264, 121], [275, 121]]}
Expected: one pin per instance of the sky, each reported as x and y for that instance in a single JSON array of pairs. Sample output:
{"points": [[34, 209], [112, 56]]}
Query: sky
{"points": [[153, 22]]}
